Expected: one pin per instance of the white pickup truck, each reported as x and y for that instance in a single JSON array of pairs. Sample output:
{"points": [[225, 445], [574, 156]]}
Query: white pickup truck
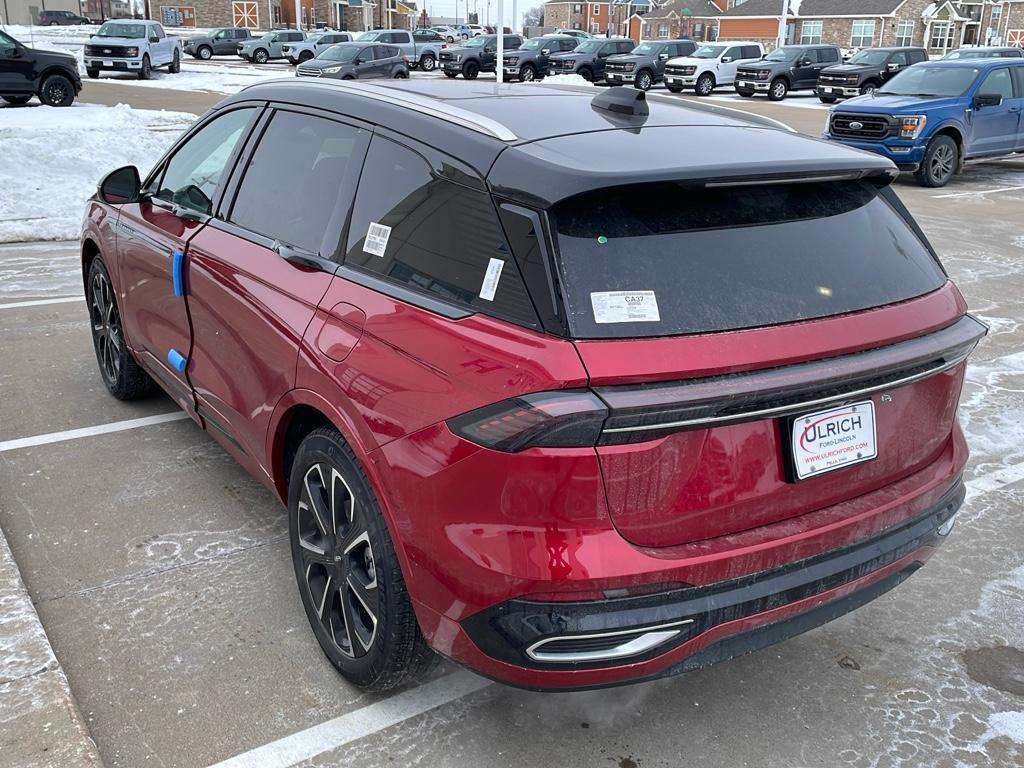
{"points": [[129, 45], [711, 65]]}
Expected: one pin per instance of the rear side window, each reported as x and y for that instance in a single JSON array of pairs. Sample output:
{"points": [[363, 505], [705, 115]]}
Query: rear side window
{"points": [[318, 154], [828, 55], [751, 52], [729, 258], [433, 236]]}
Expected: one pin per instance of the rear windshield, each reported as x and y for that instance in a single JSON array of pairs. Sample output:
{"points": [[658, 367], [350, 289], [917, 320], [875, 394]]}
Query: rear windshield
{"points": [[702, 260]]}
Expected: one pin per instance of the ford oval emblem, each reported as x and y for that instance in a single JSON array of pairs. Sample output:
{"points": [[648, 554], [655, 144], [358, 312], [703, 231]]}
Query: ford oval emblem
{"points": [[856, 126]]}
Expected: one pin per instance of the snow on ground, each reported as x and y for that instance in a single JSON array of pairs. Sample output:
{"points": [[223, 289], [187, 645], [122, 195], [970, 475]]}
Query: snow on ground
{"points": [[200, 77], [53, 158], [565, 80]]}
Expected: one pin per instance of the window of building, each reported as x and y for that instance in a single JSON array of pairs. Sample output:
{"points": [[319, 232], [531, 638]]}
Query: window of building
{"points": [[597, 10], [905, 33], [663, 31], [577, 8], [436, 237], [594, 28], [863, 33], [942, 35], [576, 25], [323, 153], [810, 33]]}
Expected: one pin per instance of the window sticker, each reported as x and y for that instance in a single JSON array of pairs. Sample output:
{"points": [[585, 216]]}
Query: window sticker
{"points": [[376, 241], [625, 307], [493, 274]]}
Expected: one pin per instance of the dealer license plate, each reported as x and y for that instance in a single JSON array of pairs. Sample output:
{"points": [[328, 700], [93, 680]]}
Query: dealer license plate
{"points": [[828, 440], [108, 63]]}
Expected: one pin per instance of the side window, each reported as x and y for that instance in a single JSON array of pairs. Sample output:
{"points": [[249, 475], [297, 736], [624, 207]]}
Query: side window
{"points": [[900, 57], [751, 52], [829, 55], [734, 53], [512, 42], [917, 56], [626, 46], [193, 174], [159, 31], [998, 81], [7, 45], [433, 236], [323, 153]]}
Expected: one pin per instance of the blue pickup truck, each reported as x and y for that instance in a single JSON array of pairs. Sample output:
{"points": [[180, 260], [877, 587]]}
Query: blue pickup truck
{"points": [[934, 116]]}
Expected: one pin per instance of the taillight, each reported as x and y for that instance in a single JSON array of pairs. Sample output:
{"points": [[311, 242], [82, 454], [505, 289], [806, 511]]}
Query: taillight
{"points": [[569, 418]]}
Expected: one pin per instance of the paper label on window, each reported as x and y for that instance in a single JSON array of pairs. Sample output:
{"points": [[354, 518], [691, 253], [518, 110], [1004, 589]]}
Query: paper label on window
{"points": [[376, 241], [625, 307], [490, 286]]}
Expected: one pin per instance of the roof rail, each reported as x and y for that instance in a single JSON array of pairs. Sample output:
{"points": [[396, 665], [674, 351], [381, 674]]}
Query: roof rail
{"points": [[413, 102]]}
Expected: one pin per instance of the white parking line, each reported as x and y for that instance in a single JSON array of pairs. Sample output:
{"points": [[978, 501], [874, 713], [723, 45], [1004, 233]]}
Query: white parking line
{"points": [[358, 724], [41, 302], [979, 192], [100, 429]]}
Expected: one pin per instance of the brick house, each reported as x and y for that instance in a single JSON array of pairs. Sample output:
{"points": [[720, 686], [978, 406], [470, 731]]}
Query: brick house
{"points": [[695, 19], [938, 25], [353, 15], [590, 17]]}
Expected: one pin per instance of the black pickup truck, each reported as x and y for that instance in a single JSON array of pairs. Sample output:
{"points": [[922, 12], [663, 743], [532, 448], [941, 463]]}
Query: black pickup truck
{"points": [[26, 72]]}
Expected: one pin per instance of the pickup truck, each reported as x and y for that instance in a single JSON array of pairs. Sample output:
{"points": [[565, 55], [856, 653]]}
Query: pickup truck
{"points": [[645, 65], [313, 45], [934, 116], [863, 73], [138, 46], [420, 51], [532, 59], [25, 72], [710, 66], [479, 54], [789, 68], [589, 57]]}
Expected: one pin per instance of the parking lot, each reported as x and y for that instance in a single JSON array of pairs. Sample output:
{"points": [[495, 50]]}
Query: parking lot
{"points": [[162, 575]]}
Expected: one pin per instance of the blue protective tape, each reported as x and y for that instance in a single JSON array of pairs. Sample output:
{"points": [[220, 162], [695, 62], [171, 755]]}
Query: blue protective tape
{"points": [[176, 360], [177, 271]]}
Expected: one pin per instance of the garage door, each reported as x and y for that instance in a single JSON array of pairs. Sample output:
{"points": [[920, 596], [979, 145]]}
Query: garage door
{"points": [[1015, 37]]}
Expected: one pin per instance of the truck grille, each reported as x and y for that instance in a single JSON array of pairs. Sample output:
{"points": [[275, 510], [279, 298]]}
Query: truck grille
{"points": [[567, 65], [749, 74], [114, 51], [613, 67], [446, 56], [307, 72], [838, 79], [859, 126], [680, 70]]}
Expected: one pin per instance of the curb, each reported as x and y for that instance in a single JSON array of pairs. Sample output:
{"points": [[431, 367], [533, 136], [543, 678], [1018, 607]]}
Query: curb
{"points": [[40, 725]]}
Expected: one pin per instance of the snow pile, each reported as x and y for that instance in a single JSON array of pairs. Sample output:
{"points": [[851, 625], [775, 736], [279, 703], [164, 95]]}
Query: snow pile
{"points": [[200, 77], [1008, 724], [566, 80], [52, 159]]}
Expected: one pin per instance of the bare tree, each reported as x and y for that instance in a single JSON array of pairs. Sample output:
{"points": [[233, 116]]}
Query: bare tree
{"points": [[534, 17]]}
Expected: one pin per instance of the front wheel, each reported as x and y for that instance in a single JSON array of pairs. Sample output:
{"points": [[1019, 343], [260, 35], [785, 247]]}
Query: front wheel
{"points": [[123, 377], [527, 74], [17, 101], [744, 94], [401, 74], [348, 575], [827, 99], [941, 160], [470, 70], [147, 70], [868, 88], [205, 52], [644, 80], [451, 75], [57, 91], [92, 73], [427, 63], [778, 90], [586, 74], [674, 88], [261, 56], [305, 56], [705, 85]]}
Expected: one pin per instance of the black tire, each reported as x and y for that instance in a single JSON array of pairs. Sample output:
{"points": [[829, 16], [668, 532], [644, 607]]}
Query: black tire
{"points": [[527, 73], [674, 88], [427, 63], [868, 87], [305, 56], [778, 89], [705, 84], [204, 52], [644, 80], [261, 56], [147, 70], [744, 94], [586, 73], [470, 70], [451, 74], [17, 101], [57, 91], [400, 74], [940, 164], [92, 73], [123, 377], [175, 66], [366, 628], [349, 77], [827, 99]]}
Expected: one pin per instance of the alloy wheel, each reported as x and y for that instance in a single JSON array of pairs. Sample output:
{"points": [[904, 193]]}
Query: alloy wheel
{"points": [[942, 163], [526, 74], [205, 53], [643, 82], [56, 92], [340, 572], [106, 326]]}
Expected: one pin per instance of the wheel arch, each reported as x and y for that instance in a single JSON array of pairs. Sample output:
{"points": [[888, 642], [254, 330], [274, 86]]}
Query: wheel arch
{"points": [[54, 69], [90, 250], [954, 132]]}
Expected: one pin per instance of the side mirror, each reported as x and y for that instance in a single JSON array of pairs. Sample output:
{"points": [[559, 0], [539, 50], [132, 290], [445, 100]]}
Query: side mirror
{"points": [[489, 49], [545, 51], [987, 100], [726, 59], [663, 56], [805, 62], [120, 186], [894, 67], [154, 39], [16, 52]]}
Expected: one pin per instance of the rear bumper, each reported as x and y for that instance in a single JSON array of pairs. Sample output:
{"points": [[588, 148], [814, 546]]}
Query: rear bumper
{"points": [[552, 645]]}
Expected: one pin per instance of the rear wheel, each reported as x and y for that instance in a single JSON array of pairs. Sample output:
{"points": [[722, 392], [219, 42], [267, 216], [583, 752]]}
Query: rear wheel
{"points": [[401, 74], [17, 101], [123, 377], [527, 73], [644, 80], [827, 99], [427, 63], [261, 56], [175, 66], [205, 52], [586, 74], [470, 70], [57, 91], [705, 84], [347, 572], [778, 89], [941, 160], [147, 70]]}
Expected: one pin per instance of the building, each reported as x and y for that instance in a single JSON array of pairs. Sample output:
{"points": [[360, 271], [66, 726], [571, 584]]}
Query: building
{"points": [[590, 17], [353, 15], [105, 9], [675, 19], [27, 11], [938, 25]]}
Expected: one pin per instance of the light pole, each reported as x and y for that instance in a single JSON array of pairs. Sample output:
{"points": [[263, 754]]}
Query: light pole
{"points": [[782, 23]]}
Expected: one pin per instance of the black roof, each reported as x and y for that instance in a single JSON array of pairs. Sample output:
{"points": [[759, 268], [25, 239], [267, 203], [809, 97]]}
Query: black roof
{"points": [[539, 144]]}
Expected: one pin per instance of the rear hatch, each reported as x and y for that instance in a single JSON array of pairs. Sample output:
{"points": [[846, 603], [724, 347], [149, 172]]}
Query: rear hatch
{"points": [[764, 350]]}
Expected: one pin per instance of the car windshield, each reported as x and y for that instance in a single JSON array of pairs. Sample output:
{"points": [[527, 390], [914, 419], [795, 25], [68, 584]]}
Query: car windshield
{"points": [[737, 257], [871, 58], [708, 52], [785, 53], [120, 29], [343, 53], [478, 42], [369, 37], [314, 37], [931, 81], [645, 48], [590, 46]]}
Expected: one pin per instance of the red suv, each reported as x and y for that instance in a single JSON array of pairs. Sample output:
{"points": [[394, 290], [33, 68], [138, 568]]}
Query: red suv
{"points": [[544, 390]]}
